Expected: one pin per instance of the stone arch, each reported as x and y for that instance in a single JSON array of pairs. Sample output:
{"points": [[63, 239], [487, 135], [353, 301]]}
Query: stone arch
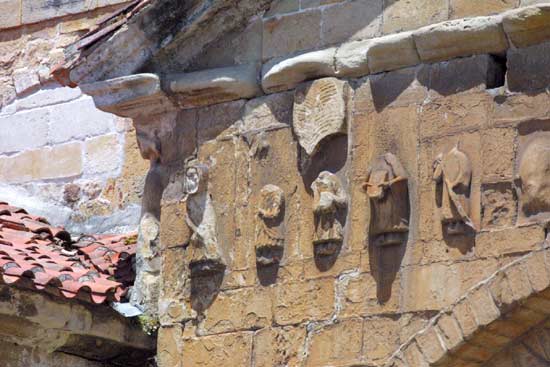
{"points": [[484, 321]]}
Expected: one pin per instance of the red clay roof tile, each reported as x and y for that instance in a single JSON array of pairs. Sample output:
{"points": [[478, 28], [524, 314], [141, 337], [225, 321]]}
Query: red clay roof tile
{"points": [[37, 255]]}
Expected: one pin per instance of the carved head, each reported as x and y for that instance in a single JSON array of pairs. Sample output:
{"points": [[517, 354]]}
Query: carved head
{"points": [[384, 170], [453, 174], [326, 182], [196, 178], [328, 192], [455, 168], [149, 145], [534, 175], [272, 199], [387, 190]]}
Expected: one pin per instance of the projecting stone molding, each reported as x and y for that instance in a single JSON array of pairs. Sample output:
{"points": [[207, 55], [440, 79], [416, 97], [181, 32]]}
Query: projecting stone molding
{"points": [[438, 42]]}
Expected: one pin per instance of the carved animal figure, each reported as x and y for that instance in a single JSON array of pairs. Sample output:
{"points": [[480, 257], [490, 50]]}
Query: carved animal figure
{"points": [[329, 198], [387, 189], [534, 176], [205, 255], [453, 171], [269, 226]]}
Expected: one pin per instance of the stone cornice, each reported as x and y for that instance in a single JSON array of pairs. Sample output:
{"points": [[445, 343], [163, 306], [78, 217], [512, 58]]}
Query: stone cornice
{"points": [[443, 41]]}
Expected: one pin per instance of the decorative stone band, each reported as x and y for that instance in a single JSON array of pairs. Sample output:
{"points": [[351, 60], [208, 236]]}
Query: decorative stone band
{"points": [[142, 94], [437, 42], [489, 316]]}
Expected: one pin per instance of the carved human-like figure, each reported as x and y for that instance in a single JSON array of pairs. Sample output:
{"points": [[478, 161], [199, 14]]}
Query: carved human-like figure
{"points": [[387, 189], [205, 254], [270, 226], [453, 174], [329, 199], [534, 176]]}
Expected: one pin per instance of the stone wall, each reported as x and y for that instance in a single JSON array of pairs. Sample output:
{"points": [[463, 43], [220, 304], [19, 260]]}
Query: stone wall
{"points": [[359, 304], [59, 155], [294, 26]]}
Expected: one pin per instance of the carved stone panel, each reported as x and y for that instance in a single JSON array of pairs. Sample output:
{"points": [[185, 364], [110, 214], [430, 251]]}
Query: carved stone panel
{"points": [[319, 112], [387, 190], [329, 200], [533, 176], [453, 176], [270, 234], [205, 256]]}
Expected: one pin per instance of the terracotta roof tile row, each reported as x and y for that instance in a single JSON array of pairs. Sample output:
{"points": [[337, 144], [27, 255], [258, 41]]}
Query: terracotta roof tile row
{"points": [[36, 255]]}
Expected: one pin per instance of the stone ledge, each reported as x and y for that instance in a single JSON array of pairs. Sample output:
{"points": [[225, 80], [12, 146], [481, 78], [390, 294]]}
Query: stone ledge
{"points": [[132, 95], [437, 42], [287, 73]]}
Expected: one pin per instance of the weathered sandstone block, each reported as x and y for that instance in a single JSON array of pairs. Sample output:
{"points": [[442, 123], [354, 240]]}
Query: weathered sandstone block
{"points": [[408, 15], [337, 344], [10, 13], [230, 349], [351, 59], [25, 130], [363, 19], [472, 8], [37, 164], [392, 52], [291, 33], [464, 37], [102, 154], [528, 26], [527, 69]]}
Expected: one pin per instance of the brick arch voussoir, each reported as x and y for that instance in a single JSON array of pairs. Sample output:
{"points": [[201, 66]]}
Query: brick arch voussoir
{"points": [[486, 319]]}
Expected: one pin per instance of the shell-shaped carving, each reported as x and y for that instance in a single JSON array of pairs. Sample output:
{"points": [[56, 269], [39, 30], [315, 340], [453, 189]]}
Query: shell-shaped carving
{"points": [[319, 111]]}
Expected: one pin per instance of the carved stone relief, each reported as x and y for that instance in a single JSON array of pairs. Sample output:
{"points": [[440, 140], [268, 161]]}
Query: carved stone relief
{"points": [[319, 111], [270, 234], [205, 256], [329, 199], [453, 176], [534, 176], [387, 190]]}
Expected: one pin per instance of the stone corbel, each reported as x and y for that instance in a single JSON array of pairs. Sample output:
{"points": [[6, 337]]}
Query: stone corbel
{"points": [[147, 94], [202, 88], [132, 96]]}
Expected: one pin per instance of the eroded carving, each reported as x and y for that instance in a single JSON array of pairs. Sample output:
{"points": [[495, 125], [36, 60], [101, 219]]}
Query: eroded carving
{"points": [[329, 200], [148, 143], [205, 255], [387, 190], [534, 176], [270, 235], [319, 111], [453, 175]]}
